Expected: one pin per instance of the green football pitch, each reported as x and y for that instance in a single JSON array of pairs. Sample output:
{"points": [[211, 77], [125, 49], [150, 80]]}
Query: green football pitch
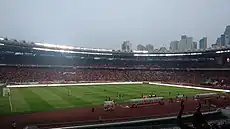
{"points": [[40, 99]]}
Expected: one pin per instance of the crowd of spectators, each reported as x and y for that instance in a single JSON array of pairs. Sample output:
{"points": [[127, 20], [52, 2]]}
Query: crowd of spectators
{"points": [[78, 75], [198, 120]]}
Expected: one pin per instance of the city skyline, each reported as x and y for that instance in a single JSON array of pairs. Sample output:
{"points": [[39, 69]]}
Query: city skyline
{"points": [[107, 23], [174, 46]]}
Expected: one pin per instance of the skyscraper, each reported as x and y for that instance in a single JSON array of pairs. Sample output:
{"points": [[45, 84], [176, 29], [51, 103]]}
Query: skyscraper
{"points": [[222, 40], [203, 43], [174, 46], [227, 35], [149, 47], [185, 44], [183, 36], [194, 45], [218, 41], [126, 46], [227, 39]]}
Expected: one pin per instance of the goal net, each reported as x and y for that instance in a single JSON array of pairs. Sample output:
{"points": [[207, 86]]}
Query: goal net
{"points": [[6, 92]]}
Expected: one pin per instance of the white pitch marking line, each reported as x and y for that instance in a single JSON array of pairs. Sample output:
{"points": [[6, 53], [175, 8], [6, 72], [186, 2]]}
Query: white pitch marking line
{"points": [[11, 107]]}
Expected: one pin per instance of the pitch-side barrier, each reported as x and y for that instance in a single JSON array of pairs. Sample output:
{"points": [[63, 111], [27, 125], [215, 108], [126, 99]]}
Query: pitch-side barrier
{"points": [[117, 83]]}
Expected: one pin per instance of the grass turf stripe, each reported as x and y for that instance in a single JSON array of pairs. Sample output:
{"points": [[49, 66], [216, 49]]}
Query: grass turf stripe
{"points": [[75, 100], [19, 103], [53, 99], [34, 100]]}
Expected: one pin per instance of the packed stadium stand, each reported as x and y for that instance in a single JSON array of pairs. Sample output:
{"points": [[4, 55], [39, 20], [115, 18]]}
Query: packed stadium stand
{"points": [[41, 62], [22, 63], [62, 75]]}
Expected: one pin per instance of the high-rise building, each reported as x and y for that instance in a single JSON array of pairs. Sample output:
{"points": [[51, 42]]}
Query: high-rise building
{"points": [[174, 46], [222, 40], [203, 43], [227, 29], [185, 44], [194, 45], [227, 35], [126, 46], [218, 41], [183, 36], [227, 39], [149, 47], [189, 43], [141, 47]]}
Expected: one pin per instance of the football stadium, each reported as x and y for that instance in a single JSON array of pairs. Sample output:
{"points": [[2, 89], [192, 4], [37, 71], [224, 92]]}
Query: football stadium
{"points": [[52, 86]]}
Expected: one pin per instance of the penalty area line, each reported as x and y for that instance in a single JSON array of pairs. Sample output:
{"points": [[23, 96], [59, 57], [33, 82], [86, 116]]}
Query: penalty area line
{"points": [[11, 107]]}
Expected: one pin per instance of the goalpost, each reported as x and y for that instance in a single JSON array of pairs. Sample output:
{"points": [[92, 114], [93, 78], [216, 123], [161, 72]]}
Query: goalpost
{"points": [[6, 91]]}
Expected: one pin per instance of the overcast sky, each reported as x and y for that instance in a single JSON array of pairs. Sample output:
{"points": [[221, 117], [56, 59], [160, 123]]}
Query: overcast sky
{"points": [[107, 23]]}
